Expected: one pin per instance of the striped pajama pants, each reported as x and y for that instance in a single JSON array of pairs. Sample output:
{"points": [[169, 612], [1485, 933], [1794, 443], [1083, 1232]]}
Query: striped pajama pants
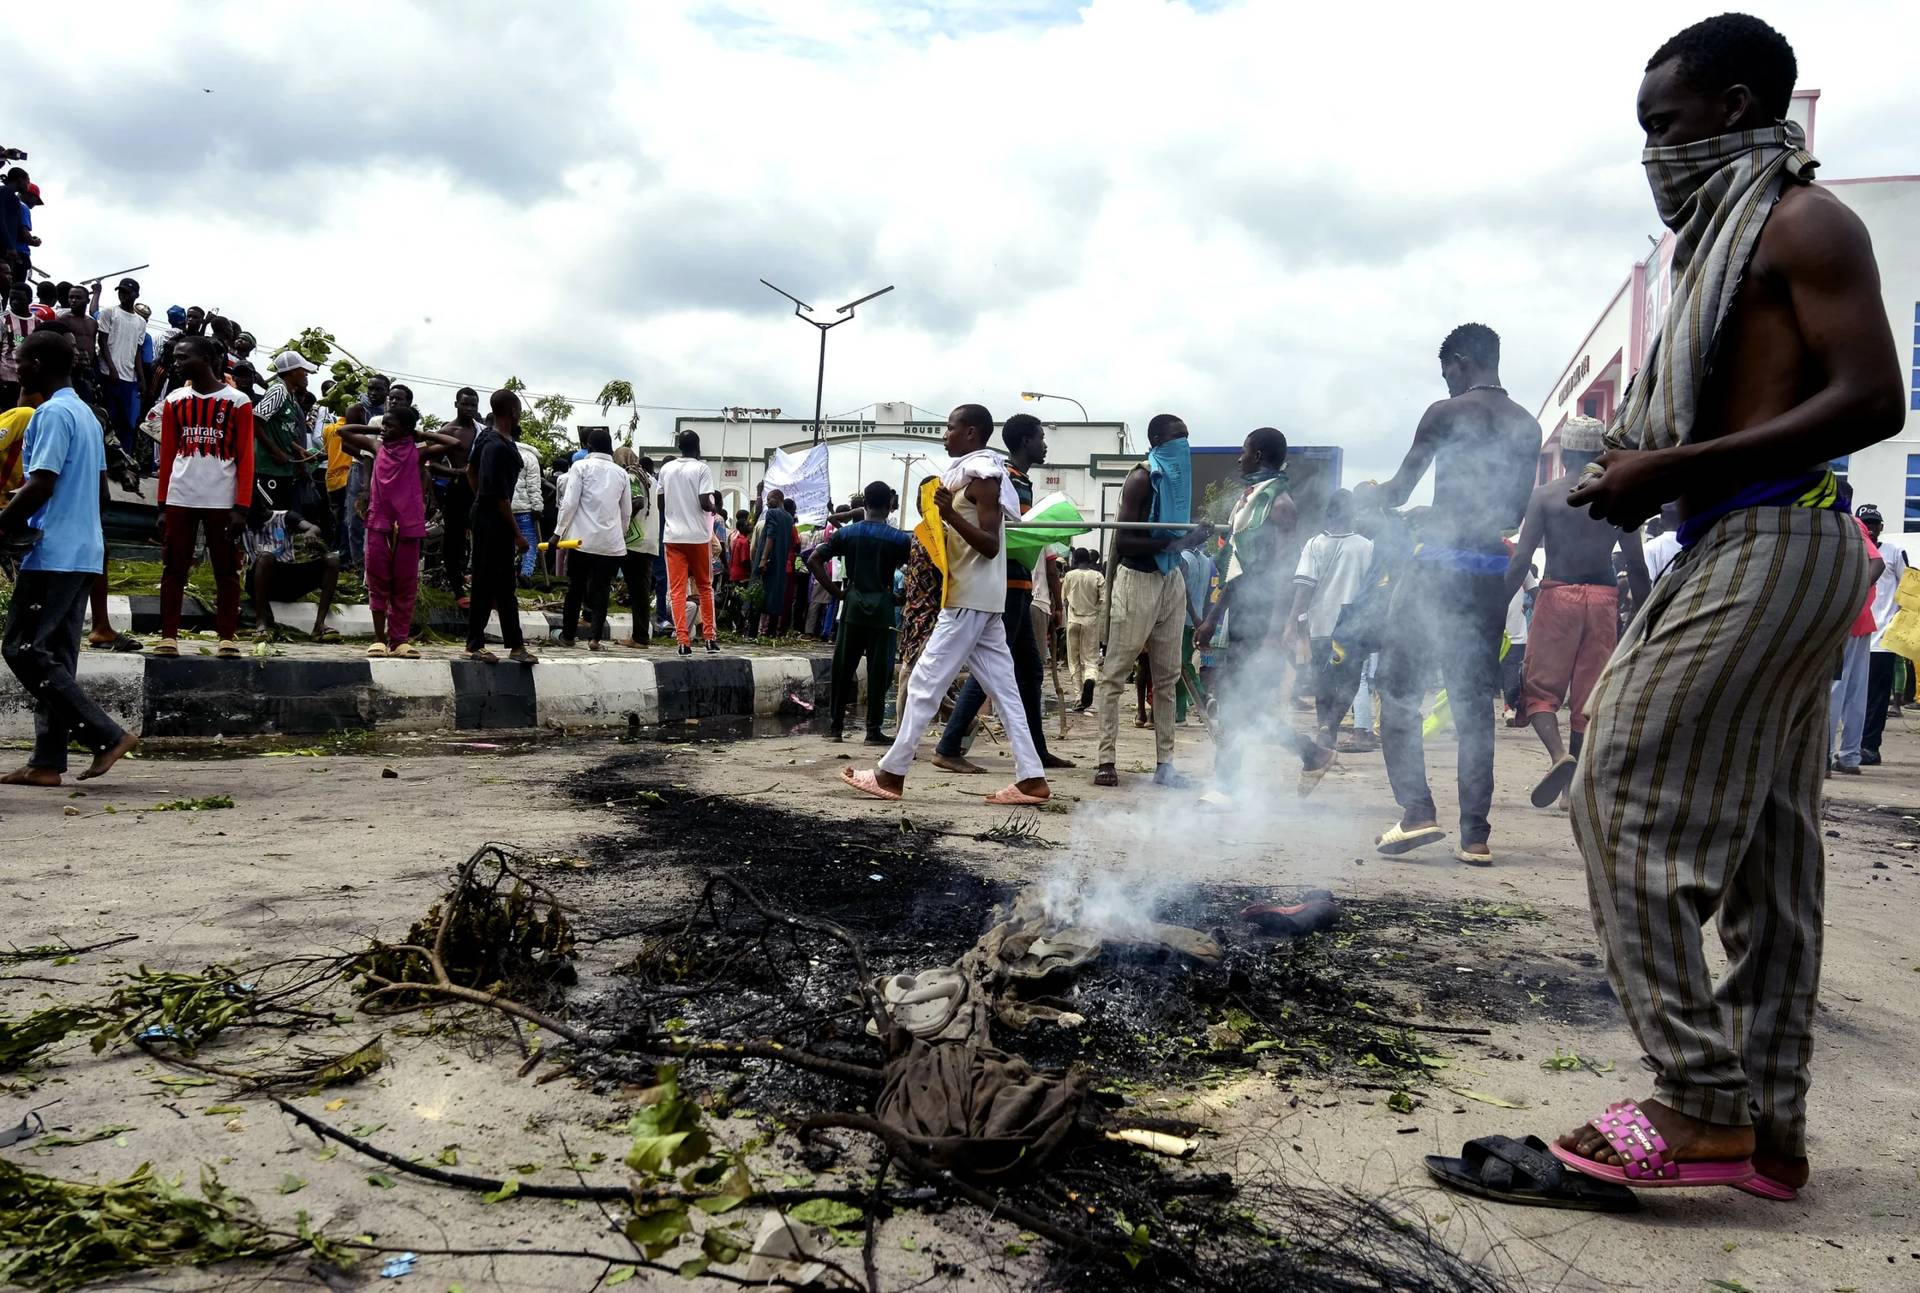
{"points": [[1698, 795]]}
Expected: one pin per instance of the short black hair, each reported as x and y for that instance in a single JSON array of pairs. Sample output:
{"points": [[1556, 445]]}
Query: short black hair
{"points": [[406, 417], [878, 494], [1476, 341], [689, 444], [1162, 422], [1019, 428], [1732, 49], [646, 464], [466, 390], [597, 439], [209, 348], [1340, 505], [1269, 444], [792, 507], [46, 347], [976, 418], [400, 386]]}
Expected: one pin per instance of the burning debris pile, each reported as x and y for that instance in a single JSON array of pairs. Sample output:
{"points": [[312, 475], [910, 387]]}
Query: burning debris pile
{"points": [[985, 1042]]}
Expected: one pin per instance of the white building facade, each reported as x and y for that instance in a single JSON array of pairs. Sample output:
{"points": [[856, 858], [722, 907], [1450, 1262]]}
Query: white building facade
{"points": [[1595, 378], [1083, 458]]}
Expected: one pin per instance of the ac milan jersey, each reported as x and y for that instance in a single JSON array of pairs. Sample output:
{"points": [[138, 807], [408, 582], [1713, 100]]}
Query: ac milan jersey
{"points": [[206, 449]]}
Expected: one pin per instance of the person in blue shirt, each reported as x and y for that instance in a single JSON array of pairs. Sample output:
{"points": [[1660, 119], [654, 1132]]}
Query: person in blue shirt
{"points": [[66, 486], [872, 551]]}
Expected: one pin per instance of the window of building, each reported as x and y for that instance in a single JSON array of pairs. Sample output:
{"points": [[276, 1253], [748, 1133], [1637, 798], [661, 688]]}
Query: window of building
{"points": [[1913, 492], [1591, 406]]}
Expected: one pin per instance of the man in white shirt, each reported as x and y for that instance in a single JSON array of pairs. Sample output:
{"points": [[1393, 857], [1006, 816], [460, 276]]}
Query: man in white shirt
{"points": [[1880, 664], [1332, 571], [123, 329], [688, 496], [595, 507], [1662, 543], [1513, 664]]}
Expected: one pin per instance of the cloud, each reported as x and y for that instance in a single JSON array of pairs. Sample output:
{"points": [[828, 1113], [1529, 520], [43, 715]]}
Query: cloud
{"points": [[1246, 212]]}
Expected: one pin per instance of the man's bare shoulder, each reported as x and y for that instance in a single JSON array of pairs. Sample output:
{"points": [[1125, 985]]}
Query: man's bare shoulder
{"points": [[1808, 227]]}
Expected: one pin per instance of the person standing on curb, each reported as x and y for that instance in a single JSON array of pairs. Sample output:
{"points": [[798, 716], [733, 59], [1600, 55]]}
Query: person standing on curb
{"points": [[595, 508], [688, 496], [1083, 590], [206, 485], [62, 498], [497, 541]]}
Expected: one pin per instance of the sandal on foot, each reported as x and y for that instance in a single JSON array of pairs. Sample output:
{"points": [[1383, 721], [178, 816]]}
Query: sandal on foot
{"points": [[1523, 1171], [1763, 1186], [165, 647], [1635, 1139], [404, 651], [327, 635], [119, 644], [1558, 778], [1473, 859], [378, 651], [867, 783], [1397, 841], [1013, 796], [227, 649], [480, 657]]}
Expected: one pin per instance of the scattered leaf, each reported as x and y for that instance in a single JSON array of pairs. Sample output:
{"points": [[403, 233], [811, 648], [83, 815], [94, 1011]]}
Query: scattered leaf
{"points": [[509, 1188], [335, 1106], [291, 1184], [825, 1212], [380, 1180], [449, 1156]]}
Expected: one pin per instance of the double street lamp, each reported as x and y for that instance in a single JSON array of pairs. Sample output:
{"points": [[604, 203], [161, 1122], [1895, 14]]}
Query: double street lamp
{"points": [[801, 310]]}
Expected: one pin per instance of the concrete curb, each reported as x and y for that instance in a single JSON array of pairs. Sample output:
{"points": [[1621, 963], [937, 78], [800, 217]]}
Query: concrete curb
{"points": [[198, 696], [141, 615]]}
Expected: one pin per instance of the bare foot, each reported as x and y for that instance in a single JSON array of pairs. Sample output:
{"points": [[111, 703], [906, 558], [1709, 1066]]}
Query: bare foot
{"points": [[107, 758], [1055, 761], [956, 763], [30, 777], [1106, 776], [1689, 1140]]}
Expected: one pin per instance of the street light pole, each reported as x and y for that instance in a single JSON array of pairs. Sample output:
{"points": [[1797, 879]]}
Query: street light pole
{"points": [[906, 461], [800, 310], [1042, 395]]}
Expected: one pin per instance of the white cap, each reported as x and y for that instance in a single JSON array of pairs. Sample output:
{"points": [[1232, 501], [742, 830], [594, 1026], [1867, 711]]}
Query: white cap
{"points": [[288, 360]]}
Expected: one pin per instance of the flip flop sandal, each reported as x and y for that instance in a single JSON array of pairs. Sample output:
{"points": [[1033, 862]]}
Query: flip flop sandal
{"points": [[1522, 1171], [327, 635], [1763, 1186], [1397, 841], [1315, 912], [122, 644], [1473, 859], [1013, 796], [480, 657], [867, 784], [1635, 1139], [1310, 778], [1558, 778]]}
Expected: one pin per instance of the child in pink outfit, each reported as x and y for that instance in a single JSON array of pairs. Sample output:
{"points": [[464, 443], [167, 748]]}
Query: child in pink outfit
{"points": [[396, 523]]}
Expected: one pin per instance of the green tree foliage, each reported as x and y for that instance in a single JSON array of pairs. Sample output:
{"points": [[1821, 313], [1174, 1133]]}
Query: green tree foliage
{"points": [[620, 393], [348, 375], [543, 422]]}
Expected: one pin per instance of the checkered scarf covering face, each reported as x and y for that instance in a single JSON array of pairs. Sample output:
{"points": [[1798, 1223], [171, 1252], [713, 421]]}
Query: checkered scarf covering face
{"points": [[1715, 194]]}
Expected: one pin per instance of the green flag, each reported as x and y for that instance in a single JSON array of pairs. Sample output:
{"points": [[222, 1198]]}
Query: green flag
{"points": [[1062, 522]]}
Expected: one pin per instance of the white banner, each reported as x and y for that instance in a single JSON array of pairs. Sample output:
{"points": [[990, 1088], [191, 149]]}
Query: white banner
{"points": [[802, 479]]}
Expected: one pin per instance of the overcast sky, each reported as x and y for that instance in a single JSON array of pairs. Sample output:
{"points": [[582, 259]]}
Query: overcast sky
{"points": [[1242, 213]]}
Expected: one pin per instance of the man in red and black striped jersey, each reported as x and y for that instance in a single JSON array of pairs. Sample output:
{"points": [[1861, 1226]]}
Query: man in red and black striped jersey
{"points": [[206, 483]]}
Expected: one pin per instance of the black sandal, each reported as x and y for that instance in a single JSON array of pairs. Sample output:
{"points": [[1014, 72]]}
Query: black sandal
{"points": [[1526, 1172]]}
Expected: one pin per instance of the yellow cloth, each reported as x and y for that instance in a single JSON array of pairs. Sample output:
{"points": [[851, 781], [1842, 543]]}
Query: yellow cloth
{"points": [[13, 430], [339, 461], [932, 533]]}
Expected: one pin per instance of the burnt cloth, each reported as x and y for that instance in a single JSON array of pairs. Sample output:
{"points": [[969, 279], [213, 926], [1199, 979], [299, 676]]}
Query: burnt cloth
{"points": [[975, 1110]]}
